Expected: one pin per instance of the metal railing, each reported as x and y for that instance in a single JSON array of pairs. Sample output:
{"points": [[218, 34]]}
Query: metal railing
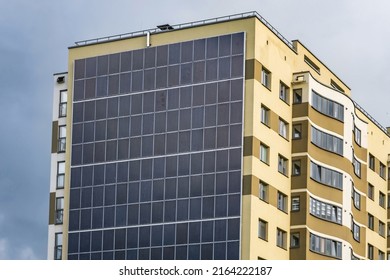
{"points": [[187, 25], [381, 127]]}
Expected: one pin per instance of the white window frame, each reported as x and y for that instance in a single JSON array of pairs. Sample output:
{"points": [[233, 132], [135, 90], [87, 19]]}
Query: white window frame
{"points": [[61, 138], [263, 191], [325, 211], [282, 201], [59, 218], [58, 246], [358, 135], [370, 191], [297, 131], [262, 230], [295, 240], [283, 128], [264, 153], [297, 96], [382, 229], [281, 238], [60, 174], [296, 167], [370, 222], [284, 92], [266, 77], [295, 203], [265, 115], [282, 165], [382, 170], [356, 231], [357, 167], [381, 255], [63, 103], [370, 252], [356, 198], [382, 199], [371, 162]]}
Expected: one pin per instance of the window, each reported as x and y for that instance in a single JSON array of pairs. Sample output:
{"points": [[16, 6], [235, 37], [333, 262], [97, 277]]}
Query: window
{"points": [[381, 255], [356, 167], [297, 96], [388, 229], [282, 165], [60, 174], [296, 167], [282, 202], [370, 252], [266, 78], [295, 203], [263, 191], [284, 93], [294, 240], [355, 231], [61, 138], [325, 210], [371, 162], [311, 64], [327, 107], [264, 153], [356, 198], [265, 115], [325, 246], [381, 229], [59, 210], [63, 100], [370, 191], [358, 135], [58, 246], [283, 128], [334, 85], [382, 170], [370, 221], [382, 199], [326, 176], [353, 257], [326, 141], [297, 131], [281, 238], [263, 225]]}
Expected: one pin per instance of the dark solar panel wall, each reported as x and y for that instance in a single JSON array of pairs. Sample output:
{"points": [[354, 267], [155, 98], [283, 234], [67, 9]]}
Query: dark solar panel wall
{"points": [[156, 152]]}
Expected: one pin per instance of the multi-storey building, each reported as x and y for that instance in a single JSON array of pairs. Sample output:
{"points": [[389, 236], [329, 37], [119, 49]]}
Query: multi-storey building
{"points": [[217, 139]]}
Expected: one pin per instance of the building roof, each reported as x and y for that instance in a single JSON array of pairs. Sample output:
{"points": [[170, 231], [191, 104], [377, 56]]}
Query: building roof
{"points": [[159, 29]]}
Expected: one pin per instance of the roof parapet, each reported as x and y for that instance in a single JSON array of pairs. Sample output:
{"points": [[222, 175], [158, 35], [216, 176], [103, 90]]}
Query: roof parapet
{"points": [[185, 25]]}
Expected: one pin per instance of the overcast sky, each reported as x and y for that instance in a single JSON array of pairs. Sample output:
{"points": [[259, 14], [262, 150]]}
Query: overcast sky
{"points": [[350, 36]]}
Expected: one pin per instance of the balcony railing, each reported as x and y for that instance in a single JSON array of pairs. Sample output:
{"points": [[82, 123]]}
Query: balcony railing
{"points": [[187, 25]]}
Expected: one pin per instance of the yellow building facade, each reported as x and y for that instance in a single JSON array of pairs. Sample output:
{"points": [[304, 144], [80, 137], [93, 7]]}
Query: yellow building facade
{"points": [[314, 164]]}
